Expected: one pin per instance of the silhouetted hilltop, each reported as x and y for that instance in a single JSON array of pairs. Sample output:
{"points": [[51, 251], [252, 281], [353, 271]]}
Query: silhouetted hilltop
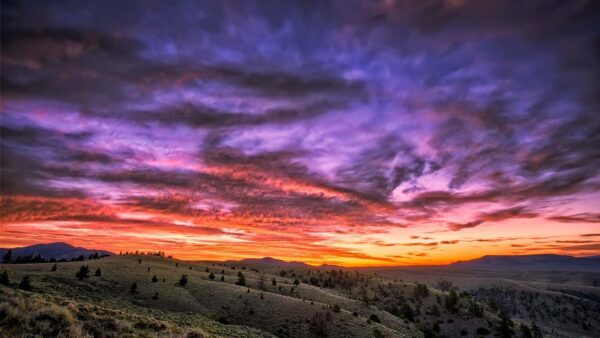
{"points": [[58, 250], [537, 262]]}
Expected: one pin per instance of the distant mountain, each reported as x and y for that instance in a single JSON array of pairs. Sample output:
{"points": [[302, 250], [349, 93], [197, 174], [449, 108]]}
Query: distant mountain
{"points": [[534, 262], [57, 250], [270, 261]]}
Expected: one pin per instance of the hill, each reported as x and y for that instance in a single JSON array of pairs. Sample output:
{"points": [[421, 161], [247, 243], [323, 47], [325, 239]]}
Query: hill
{"points": [[285, 302], [536, 262], [58, 251], [273, 262]]}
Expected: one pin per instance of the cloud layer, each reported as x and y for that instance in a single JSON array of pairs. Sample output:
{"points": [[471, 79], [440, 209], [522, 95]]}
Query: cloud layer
{"points": [[335, 131]]}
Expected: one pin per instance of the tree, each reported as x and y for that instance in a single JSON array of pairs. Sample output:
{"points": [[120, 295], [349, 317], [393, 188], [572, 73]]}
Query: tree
{"points": [[506, 324], [206, 270], [211, 276], [452, 301], [274, 281], [25, 283], [183, 280], [241, 279], [535, 331], [296, 282], [525, 331], [54, 267], [7, 256], [261, 281], [336, 308], [98, 272], [4, 278], [222, 278], [133, 288], [83, 273], [155, 295], [154, 279]]}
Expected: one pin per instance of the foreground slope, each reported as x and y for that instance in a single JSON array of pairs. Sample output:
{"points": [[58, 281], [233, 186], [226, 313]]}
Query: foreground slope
{"points": [[202, 305]]}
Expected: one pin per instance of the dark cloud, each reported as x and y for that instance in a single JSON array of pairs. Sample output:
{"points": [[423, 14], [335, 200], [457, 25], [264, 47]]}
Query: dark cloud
{"points": [[577, 218]]}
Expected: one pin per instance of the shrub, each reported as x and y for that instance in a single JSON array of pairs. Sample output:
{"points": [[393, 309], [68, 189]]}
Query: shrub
{"points": [[183, 280], [211, 276], [155, 295], [222, 278], [274, 281], [83, 273], [54, 267], [336, 308], [154, 279], [25, 283], [374, 318], [4, 278], [98, 272], [133, 288]]}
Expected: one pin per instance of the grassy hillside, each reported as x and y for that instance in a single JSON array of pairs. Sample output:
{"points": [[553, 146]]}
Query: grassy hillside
{"points": [[300, 303], [564, 304]]}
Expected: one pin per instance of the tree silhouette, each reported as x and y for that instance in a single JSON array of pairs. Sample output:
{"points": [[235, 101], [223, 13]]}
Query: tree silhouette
{"points": [[54, 267], [155, 295], [98, 272], [83, 273], [133, 288], [274, 281], [211, 276], [154, 279], [222, 278]]}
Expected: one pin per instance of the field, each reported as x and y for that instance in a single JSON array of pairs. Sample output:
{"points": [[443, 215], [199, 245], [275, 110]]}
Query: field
{"points": [[283, 302]]}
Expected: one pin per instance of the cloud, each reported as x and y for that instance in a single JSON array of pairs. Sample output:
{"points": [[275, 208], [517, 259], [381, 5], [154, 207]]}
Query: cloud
{"points": [[577, 218]]}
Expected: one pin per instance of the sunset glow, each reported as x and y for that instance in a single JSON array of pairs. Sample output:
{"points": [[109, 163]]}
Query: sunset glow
{"points": [[351, 133]]}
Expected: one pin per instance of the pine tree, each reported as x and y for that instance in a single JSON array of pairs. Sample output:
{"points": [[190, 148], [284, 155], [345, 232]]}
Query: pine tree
{"points": [[222, 278], [155, 295], [241, 279], [98, 272], [4, 278], [54, 267], [154, 279], [211, 276], [83, 273], [274, 281]]}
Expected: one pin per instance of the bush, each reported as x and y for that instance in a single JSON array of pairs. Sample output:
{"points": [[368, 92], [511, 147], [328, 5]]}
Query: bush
{"points": [[98, 272], [133, 288], [336, 308], [374, 318], [183, 280], [83, 273], [54, 267], [4, 278], [25, 284], [211, 276], [154, 279]]}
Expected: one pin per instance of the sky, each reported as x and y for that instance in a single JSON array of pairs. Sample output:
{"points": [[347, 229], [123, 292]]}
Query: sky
{"points": [[345, 132]]}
